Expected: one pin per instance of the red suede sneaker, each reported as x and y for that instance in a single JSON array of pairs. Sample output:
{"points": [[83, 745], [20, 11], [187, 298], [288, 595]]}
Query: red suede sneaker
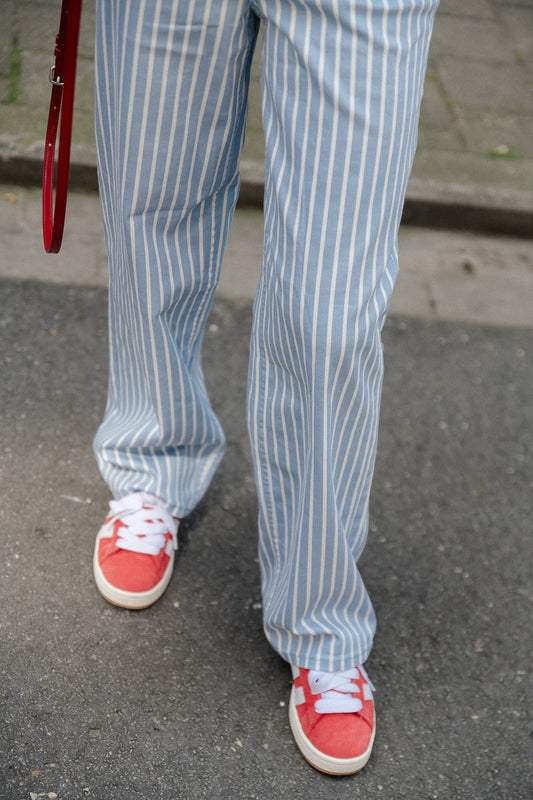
{"points": [[332, 718], [134, 552]]}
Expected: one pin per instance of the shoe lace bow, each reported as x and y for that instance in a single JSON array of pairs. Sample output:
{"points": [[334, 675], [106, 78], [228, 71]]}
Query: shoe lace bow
{"points": [[145, 523], [337, 691]]}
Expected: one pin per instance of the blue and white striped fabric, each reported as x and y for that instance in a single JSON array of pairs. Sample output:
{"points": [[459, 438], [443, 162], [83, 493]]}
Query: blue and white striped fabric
{"points": [[342, 83]]}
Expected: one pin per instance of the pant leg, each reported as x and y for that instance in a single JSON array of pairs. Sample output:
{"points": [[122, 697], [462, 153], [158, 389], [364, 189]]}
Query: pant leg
{"points": [[343, 82], [171, 90]]}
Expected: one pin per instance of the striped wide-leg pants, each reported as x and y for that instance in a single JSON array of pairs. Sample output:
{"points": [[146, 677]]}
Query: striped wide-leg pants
{"points": [[342, 83]]}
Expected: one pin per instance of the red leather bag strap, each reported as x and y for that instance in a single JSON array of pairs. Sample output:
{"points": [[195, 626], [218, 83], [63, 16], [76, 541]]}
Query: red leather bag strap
{"points": [[63, 79]]}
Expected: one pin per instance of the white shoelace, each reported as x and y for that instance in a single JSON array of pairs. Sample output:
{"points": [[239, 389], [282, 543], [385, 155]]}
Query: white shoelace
{"points": [[337, 690], [146, 527]]}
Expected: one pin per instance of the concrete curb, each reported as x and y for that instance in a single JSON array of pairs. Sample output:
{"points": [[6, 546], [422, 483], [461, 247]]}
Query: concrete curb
{"points": [[429, 203], [434, 204]]}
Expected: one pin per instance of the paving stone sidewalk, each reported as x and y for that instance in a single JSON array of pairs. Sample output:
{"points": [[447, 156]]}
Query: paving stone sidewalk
{"points": [[474, 166]]}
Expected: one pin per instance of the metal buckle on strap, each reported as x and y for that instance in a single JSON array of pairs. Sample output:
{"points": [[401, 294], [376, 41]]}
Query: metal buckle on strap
{"points": [[52, 78]]}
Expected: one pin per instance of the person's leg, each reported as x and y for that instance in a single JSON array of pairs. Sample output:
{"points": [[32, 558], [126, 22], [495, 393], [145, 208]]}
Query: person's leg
{"points": [[171, 91], [342, 83]]}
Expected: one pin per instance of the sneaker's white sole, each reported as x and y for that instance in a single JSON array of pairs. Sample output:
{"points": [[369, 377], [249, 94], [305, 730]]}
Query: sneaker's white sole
{"points": [[132, 600], [319, 760]]}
